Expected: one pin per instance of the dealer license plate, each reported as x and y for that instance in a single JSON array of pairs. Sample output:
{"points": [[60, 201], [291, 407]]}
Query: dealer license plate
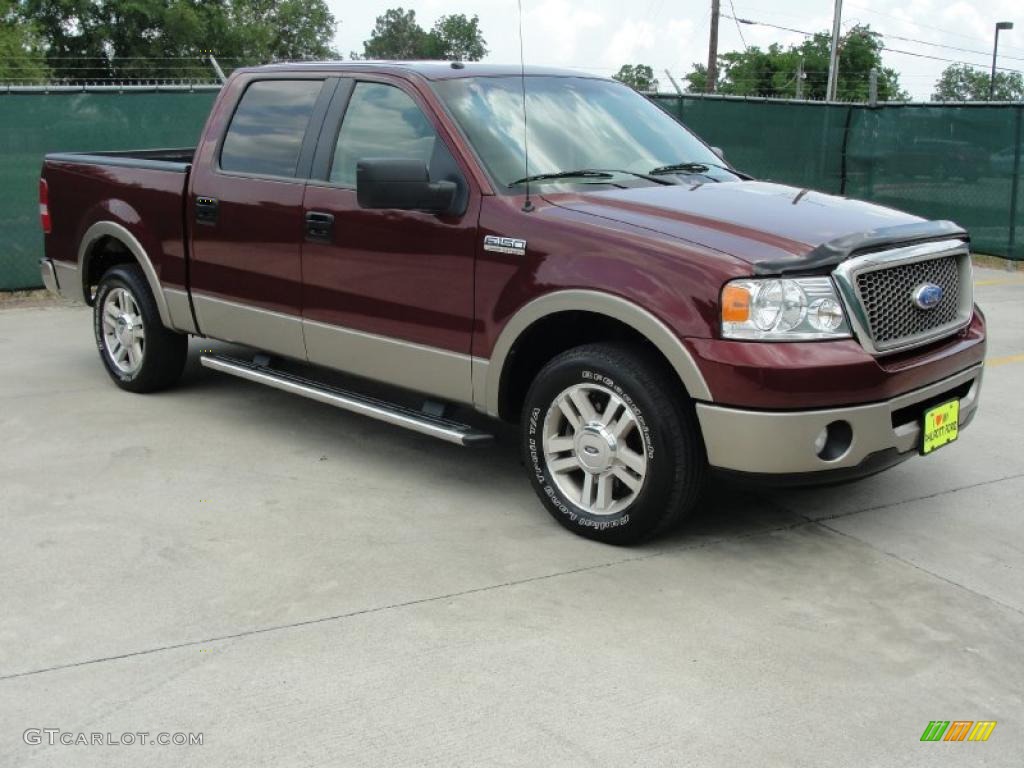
{"points": [[941, 426]]}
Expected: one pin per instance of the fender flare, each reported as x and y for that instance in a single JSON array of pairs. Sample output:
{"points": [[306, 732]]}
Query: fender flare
{"points": [[636, 317], [129, 241]]}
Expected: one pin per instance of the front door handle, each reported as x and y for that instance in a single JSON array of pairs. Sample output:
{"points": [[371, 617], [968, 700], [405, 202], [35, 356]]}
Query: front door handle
{"points": [[319, 227], [206, 210]]}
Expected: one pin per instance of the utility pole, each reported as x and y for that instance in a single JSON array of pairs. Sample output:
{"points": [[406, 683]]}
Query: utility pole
{"points": [[713, 48], [995, 49], [833, 60], [800, 78], [873, 87]]}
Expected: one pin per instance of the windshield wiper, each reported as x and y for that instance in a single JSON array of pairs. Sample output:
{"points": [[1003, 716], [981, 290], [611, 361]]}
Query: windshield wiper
{"points": [[701, 167], [584, 173], [588, 173]]}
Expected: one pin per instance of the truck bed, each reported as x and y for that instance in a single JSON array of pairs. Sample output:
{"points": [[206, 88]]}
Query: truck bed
{"points": [[177, 160]]}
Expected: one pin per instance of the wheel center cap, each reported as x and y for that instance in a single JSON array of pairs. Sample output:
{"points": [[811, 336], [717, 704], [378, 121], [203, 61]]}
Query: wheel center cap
{"points": [[125, 327], [595, 448]]}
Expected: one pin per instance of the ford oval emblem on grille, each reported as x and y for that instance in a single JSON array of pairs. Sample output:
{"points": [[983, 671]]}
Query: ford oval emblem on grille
{"points": [[927, 295]]}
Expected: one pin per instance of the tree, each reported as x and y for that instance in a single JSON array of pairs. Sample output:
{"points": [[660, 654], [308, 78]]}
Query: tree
{"points": [[639, 77], [21, 54], [157, 39], [457, 38], [697, 79], [773, 71], [962, 82], [397, 35]]}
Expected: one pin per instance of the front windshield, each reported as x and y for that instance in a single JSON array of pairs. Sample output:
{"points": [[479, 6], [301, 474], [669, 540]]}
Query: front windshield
{"points": [[574, 123]]}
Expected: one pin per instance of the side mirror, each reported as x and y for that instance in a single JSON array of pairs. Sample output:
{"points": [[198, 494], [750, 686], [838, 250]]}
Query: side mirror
{"points": [[402, 184], [719, 151]]}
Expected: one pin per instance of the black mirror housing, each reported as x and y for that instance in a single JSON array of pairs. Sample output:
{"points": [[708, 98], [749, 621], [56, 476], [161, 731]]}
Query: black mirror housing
{"points": [[402, 184]]}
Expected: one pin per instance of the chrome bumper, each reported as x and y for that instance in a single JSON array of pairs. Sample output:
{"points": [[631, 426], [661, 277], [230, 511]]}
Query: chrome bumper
{"points": [[49, 276], [783, 442], [61, 278]]}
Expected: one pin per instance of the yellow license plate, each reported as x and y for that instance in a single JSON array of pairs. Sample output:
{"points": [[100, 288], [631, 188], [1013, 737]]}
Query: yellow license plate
{"points": [[941, 426]]}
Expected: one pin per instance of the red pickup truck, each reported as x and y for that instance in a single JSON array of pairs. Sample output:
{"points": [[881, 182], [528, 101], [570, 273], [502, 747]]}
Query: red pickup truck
{"points": [[550, 249]]}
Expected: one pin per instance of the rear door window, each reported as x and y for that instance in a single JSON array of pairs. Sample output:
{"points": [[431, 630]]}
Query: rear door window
{"points": [[266, 131]]}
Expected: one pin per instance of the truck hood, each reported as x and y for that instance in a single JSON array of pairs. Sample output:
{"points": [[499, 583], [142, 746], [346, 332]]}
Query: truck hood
{"points": [[763, 224]]}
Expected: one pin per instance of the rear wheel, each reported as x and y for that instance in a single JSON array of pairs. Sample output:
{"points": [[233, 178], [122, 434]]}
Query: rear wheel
{"points": [[612, 444], [139, 353]]}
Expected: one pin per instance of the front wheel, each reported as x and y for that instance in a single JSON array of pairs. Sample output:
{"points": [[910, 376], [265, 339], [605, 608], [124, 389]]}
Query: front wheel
{"points": [[612, 444], [139, 353]]}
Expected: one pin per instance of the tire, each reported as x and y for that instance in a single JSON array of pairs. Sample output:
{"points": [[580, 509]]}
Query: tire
{"points": [[138, 352], [645, 461]]}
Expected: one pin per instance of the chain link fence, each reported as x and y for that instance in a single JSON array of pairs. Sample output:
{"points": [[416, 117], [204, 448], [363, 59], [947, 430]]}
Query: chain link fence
{"points": [[75, 119], [961, 162], [940, 161]]}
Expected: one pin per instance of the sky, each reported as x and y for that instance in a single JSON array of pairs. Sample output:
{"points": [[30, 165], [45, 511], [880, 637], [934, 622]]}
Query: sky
{"points": [[600, 35]]}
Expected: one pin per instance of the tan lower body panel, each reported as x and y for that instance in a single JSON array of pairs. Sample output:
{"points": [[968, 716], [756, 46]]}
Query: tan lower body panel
{"points": [[782, 442], [434, 371]]}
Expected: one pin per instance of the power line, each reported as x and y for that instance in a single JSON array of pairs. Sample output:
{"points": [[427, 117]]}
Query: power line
{"points": [[738, 29], [884, 47]]}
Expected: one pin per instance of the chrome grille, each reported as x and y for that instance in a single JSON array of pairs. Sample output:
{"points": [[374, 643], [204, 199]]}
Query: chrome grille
{"points": [[878, 290], [887, 298]]}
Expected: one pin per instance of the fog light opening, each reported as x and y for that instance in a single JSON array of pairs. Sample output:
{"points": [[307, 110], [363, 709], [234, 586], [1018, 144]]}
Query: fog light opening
{"points": [[834, 441]]}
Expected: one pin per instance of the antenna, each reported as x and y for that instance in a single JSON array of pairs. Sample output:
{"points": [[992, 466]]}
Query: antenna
{"points": [[527, 205]]}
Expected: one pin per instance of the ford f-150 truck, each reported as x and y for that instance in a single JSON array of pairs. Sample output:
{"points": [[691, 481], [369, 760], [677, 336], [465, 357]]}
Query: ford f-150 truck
{"points": [[545, 247]]}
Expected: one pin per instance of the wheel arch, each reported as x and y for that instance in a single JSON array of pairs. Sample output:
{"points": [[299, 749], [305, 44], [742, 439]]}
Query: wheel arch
{"points": [[499, 383], [96, 243]]}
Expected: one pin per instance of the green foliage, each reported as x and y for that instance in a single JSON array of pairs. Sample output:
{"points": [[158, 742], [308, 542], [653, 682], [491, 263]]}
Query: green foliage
{"points": [[139, 39], [962, 82], [697, 79], [21, 54], [398, 36], [639, 77], [773, 72]]}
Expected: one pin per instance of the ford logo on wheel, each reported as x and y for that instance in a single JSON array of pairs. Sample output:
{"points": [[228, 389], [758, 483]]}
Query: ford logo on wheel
{"points": [[927, 295]]}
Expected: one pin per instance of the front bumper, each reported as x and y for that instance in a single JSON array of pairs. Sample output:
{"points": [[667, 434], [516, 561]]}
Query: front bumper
{"points": [[783, 442]]}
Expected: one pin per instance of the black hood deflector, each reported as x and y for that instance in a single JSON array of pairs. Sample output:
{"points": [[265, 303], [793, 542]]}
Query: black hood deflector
{"points": [[834, 252]]}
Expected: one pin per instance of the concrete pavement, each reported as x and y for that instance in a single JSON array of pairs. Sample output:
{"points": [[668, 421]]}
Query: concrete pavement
{"points": [[308, 587]]}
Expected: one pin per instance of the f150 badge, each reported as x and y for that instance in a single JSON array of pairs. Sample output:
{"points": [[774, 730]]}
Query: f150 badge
{"points": [[511, 245]]}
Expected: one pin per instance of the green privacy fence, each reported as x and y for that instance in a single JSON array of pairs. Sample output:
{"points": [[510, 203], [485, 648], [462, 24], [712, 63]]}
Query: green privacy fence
{"points": [[940, 161], [960, 162], [33, 123]]}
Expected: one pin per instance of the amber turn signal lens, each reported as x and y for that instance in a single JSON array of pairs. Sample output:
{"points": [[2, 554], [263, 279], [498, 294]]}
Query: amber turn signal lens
{"points": [[735, 304]]}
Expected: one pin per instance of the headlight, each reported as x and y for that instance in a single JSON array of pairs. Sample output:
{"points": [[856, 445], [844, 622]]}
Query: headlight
{"points": [[783, 309]]}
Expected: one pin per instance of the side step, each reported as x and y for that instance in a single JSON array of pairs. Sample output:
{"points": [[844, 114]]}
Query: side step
{"points": [[417, 421]]}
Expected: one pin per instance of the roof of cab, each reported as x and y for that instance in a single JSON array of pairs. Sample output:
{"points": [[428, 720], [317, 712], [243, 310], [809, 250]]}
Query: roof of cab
{"points": [[431, 70]]}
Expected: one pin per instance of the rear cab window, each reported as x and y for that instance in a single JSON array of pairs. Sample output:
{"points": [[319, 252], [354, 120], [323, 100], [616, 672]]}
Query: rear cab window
{"points": [[267, 130]]}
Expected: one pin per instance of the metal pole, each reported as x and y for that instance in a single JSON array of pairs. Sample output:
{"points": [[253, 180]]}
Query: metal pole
{"points": [[1011, 245], [800, 78], [217, 69], [873, 87], [713, 49], [833, 59], [1000, 25], [674, 83]]}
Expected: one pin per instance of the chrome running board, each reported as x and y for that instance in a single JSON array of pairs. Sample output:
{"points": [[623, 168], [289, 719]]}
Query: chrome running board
{"points": [[399, 415]]}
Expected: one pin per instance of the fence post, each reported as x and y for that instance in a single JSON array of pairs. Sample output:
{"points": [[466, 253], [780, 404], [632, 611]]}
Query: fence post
{"points": [[846, 141], [1015, 187]]}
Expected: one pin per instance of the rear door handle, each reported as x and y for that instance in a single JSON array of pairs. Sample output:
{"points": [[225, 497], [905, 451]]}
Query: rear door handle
{"points": [[319, 227], [206, 210]]}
